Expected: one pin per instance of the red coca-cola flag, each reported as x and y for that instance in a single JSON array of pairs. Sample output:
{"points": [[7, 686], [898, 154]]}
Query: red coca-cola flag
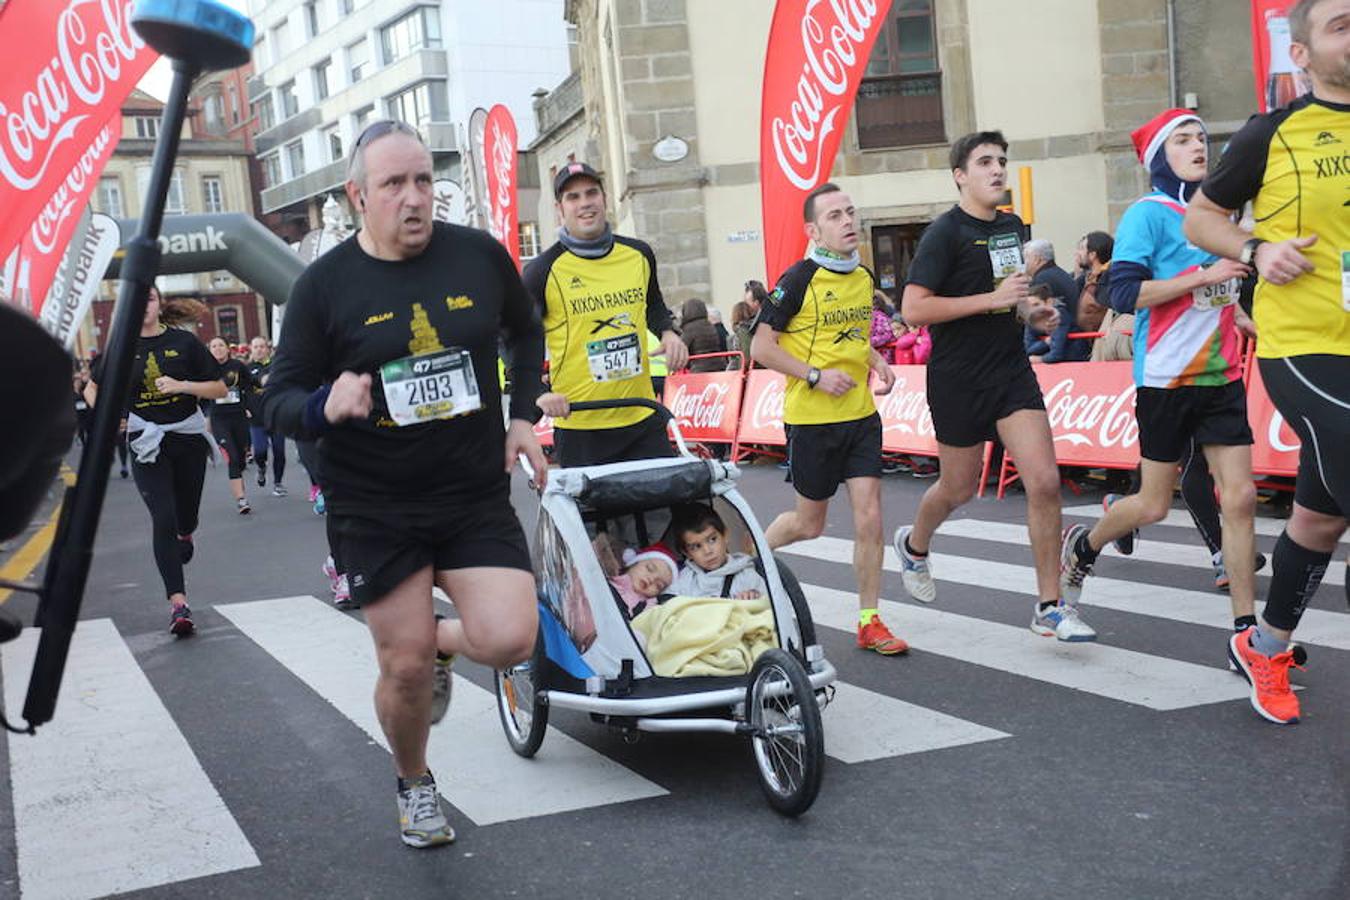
{"points": [[68, 66], [45, 242], [1278, 80], [815, 60], [499, 153]]}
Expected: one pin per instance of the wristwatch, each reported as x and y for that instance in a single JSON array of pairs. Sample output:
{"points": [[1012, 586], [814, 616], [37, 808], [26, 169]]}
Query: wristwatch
{"points": [[813, 377], [1248, 255]]}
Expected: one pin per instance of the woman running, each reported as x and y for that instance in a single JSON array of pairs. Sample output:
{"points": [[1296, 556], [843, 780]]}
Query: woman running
{"points": [[229, 424], [167, 435]]}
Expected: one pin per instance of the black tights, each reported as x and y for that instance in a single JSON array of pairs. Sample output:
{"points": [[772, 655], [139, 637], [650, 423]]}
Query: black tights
{"points": [[232, 434], [171, 487]]}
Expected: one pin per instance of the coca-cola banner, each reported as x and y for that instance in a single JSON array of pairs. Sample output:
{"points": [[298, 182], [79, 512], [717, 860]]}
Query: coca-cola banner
{"points": [[906, 424], [1276, 449], [68, 66], [817, 52], [499, 154], [543, 430], [1278, 80], [40, 252], [707, 405], [762, 411], [1091, 410]]}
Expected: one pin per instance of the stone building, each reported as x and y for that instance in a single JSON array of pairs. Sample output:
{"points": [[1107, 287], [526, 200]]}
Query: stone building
{"points": [[665, 102]]}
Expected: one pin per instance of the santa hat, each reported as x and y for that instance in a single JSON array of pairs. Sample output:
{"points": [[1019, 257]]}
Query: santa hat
{"points": [[1149, 138], [655, 551]]}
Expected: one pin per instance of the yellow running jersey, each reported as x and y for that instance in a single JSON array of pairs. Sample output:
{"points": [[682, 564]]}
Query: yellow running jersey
{"points": [[824, 318], [596, 314], [1294, 164]]}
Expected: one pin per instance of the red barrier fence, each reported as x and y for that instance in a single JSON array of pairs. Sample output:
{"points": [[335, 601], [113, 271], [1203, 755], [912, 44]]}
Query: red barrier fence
{"points": [[1090, 406]]}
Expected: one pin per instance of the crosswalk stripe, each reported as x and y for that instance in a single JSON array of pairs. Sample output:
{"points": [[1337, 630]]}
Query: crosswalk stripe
{"points": [[476, 770], [1141, 679], [1179, 518], [1195, 556], [109, 797], [862, 725], [1318, 626]]}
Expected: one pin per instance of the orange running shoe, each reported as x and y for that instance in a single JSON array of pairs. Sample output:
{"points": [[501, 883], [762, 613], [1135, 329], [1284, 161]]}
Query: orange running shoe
{"points": [[1272, 697], [876, 636]]}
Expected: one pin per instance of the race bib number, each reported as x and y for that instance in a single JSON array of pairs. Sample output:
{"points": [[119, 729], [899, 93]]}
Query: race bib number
{"points": [[231, 396], [1345, 280], [437, 385], [1005, 256], [1217, 296], [616, 358]]}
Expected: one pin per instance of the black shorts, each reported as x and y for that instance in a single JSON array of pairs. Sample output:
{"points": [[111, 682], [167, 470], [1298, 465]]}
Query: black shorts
{"points": [[964, 416], [1170, 418], [822, 457], [594, 447], [1313, 394], [379, 549]]}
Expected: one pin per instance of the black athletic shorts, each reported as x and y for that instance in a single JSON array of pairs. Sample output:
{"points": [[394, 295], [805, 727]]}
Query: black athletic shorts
{"points": [[964, 416], [1169, 418], [593, 447], [1313, 394], [379, 549], [822, 457]]}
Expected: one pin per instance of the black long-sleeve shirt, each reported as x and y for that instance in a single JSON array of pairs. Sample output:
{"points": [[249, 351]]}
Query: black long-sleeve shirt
{"points": [[352, 312]]}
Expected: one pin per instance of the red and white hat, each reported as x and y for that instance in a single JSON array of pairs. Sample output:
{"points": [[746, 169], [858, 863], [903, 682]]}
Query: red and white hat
{"points": [[655, 551], [1150, 137]]}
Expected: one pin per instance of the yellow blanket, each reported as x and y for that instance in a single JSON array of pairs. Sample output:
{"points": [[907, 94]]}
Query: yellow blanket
{"points": [[706, 635]]}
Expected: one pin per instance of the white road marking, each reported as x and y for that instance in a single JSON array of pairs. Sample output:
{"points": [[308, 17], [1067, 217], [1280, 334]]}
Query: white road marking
{"points": [[108, 796], [1318, 627], [474, 767], [862, 725], [1179, 518]]}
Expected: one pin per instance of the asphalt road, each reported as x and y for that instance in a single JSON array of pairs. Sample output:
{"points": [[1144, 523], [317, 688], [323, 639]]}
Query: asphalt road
{"points": [[240, 763]]}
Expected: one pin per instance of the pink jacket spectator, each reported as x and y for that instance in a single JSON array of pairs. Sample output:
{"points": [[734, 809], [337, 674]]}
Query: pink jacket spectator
{"points": [[883, 336], [913, 348]]}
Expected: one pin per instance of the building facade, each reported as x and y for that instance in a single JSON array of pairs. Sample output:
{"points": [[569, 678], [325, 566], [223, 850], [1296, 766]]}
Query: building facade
{"points": [[670, 96], [326, 69], [211, 175]]}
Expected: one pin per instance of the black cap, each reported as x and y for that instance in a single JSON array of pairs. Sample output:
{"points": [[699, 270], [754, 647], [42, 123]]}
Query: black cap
{"points": [[570, 171]]}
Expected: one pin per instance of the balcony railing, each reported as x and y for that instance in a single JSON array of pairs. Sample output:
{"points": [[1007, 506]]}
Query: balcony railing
{"points": [[900, 111]]}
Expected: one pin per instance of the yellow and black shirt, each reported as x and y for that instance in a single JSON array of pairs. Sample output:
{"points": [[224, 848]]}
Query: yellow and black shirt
{"points": [[1294, 164], [596, 313], [173, 352], [824, 319]]}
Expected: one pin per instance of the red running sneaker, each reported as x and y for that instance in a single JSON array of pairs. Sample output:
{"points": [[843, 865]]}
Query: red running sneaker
{"points": [[1272, 697], [180, 623], [876, 636]]}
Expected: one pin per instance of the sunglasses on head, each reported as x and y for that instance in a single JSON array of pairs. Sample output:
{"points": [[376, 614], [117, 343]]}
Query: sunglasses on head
{"points": [[376, 130]]}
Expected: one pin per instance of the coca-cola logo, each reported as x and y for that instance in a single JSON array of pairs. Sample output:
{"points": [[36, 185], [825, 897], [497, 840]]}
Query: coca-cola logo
{"points": [[704, 409], [45, 230], [91, 48], [831, 48], [905, 410], [503, 154], [767, 410], [1101, 420]]}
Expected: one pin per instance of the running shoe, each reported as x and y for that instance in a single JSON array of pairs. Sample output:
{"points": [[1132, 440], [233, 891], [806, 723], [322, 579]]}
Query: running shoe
{"points": [[1272, 697], [421, 821], [319, 506], [876, 636], [1061, 621], [244, 508], [1124, 545], [125, 473], [262, 478], [330, 570], [313, 492], [916, 574], [185, 548], [342, 595], [278, 490], [925, 470], [442, 686], [1221, 580], [180, 621], [1072, 569]]}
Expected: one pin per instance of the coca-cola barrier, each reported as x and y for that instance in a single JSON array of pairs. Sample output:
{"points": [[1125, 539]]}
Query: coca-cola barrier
{"points": [[1090, 406]]}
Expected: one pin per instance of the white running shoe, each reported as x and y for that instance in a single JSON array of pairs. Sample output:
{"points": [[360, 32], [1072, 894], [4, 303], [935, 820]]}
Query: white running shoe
{"points": [[917, 574], [1061, 621]]}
